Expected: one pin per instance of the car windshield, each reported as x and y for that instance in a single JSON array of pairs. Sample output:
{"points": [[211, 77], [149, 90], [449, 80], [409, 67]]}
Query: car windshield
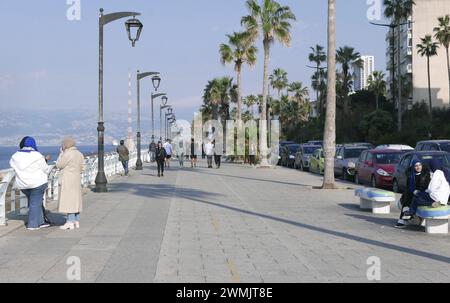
{"points": [[310, 149], [293, 148], [444, 159], [445, 146], [353, 152], [389, 158]]}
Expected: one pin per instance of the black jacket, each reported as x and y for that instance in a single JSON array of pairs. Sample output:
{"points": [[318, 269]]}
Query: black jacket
{"points": [[422, 182], [160, 153]]}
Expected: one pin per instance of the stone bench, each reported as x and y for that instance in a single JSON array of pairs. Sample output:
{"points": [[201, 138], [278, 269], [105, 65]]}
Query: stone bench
{"points": [[436, 219], [379, 201]]}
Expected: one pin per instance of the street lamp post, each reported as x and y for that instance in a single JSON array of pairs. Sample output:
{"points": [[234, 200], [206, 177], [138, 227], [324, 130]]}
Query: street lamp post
{"points": [[153, 97], [100, 180], [161, 107], [139, 77]]}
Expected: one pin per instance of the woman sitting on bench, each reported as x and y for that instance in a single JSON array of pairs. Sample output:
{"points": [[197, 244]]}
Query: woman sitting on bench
{"points": [[418, 178], [438, 191]]}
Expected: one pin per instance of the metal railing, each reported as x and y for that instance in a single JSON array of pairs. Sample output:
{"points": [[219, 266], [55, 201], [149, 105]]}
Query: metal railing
{"points": [[13, 201]]}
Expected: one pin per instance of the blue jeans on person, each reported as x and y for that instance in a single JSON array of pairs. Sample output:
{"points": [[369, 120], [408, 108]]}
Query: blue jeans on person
{"points": [[35, 198], [125, 167], [422, 199], [73, 217]]}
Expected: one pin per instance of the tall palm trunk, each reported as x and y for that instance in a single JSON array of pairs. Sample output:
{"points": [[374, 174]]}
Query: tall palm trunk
{"points": [[319, 103], [330, 120], [399, 79], [429, 88], [263, 125], [448, 68], [239, 98]]}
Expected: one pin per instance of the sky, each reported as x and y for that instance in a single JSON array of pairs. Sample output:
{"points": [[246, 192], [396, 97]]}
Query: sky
{"points": [[49, 62]]}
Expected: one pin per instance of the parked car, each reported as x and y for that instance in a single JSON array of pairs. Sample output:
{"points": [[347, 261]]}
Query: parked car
{"points": [[280, 151], [288, 154], [345, 160], [399, 178], [377, 166], [303, 154], [368, 145], [315, 142], [438, 145], [317, 162], [395, 146]]}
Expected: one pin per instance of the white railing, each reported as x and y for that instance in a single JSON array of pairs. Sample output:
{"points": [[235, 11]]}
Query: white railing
{"points": [[13, 201]]}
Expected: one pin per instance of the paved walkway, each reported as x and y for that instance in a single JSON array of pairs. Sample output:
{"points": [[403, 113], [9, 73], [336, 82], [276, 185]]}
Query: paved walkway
{"points": [[234, 224]]}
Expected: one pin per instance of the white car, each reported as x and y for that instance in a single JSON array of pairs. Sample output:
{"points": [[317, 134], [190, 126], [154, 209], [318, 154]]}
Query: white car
{"points": [[395, 146]]}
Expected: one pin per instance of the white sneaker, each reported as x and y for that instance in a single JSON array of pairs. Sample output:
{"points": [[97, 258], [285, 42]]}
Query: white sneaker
{"points": [[68, 225], [77, 224]]}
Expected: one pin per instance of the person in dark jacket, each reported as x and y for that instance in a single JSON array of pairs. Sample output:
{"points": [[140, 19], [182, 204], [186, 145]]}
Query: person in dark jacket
{"points": [[160, 158], [124, 156], [418, 179]]}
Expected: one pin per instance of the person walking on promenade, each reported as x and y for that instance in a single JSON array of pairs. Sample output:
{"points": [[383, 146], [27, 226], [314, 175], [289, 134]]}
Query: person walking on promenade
{"points": [[32, 172], [438, 191], [71, 164], [418, 179], [124, 156], [193, 155], [217, 155], [180, 152], [168, 147], [152, 151], [252, 154], [160, 158], [209, 151]]}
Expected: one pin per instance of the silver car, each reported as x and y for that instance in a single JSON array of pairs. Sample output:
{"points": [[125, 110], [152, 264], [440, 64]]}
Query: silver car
{"points": [[303, 154], [345, 160]]}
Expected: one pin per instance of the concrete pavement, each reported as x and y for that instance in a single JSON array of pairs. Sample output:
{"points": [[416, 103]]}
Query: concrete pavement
{"points": [[234, 224]]}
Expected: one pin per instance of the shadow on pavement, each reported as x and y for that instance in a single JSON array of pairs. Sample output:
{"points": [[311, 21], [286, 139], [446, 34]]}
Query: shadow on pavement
{"points": [[389, 222], [398, 248]]}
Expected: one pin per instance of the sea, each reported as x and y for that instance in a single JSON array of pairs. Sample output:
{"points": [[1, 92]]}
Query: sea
{"points": [[7, 151]]}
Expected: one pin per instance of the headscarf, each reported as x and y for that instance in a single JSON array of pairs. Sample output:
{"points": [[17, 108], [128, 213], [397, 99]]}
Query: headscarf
{"points": [[68, 143], [28, 144], [435, 165], [412, 180]]}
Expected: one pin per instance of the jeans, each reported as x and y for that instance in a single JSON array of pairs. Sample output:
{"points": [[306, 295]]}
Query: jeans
{"points": [[152, 156], [125, 167], [181, 160], [35, 198], [73, 217], [209, 159], [422, 199], [160, 164], [217, 159]]}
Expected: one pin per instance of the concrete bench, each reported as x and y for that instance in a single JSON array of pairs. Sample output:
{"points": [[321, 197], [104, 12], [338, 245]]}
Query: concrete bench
{"points": [[379, 201], [436, 219]]}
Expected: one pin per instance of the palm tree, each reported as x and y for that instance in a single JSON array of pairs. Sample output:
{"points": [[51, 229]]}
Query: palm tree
{"points": [[250, 101], [240, 50], [299, 93], [398, 10], [217, 96], [377, 85], [329, 135], [442, 34], [317, 56], [272, 22], [348, 59], [428, 48], [279, 80], [319, 84]]}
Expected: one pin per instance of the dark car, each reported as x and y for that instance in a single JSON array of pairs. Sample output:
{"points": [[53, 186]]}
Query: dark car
{"points": [[315, 142], [345, 160], [377, 166], [399, 178], [280, 151], [434, 145], [288, 154]]}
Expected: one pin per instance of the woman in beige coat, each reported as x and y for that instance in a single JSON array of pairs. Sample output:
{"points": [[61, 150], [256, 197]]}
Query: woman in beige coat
{"points": [[71, 165]]}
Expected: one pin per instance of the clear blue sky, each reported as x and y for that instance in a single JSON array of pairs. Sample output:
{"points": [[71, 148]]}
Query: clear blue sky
{"points": [[48, 62]]}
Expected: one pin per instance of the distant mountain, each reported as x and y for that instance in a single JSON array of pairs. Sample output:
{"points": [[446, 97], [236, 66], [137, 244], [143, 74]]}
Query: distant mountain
{"points": [[49, 127]]}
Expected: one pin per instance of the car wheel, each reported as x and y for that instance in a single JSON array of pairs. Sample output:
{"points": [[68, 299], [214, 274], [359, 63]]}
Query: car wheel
{"points": [[395, 187], [357, 179], [374, 182]]}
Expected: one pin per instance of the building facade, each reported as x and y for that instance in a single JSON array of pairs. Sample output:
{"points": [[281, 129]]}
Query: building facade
{"points": [[414, 75], [361, 74]]}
